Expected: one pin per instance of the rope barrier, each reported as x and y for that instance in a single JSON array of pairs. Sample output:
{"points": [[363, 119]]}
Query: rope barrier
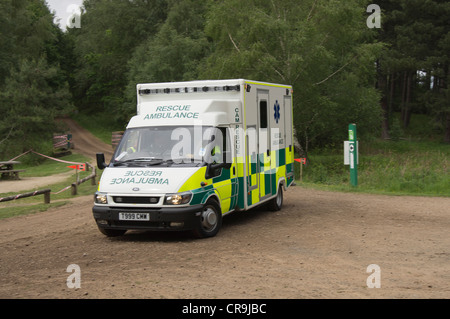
{"points": [[46, 156], [55, 159], [62, 190], [18, 196]]}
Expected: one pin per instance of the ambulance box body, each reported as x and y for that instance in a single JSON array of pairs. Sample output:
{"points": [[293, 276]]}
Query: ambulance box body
{"points": [[194, 152]]}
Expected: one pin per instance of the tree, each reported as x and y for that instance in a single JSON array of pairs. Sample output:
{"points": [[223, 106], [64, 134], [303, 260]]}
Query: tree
{"points": [[109, 33], [413, 69], [33, 88], [173, 54], [30, 100], [323, 49], [26, 31]]}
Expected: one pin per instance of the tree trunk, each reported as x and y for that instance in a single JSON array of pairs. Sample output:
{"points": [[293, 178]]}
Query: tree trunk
{"points": [[406, 108], [384, 109], [447, 130], [381, 85], [447, 125], [391, 92]]}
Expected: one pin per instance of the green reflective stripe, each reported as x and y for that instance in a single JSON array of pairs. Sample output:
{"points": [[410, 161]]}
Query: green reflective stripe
{"points": [[234, 193]]}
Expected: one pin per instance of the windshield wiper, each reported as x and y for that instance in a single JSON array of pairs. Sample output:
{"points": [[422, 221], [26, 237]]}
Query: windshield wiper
{"points": [[184, 160], [139, 160]]}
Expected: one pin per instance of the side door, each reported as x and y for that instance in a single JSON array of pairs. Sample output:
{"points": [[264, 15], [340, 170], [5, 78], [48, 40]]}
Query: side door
{"points": [[263, 136], [289, 143], [225, 180]]}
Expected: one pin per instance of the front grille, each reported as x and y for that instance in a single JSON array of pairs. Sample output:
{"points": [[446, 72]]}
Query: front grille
{"points": [[136, 199]]}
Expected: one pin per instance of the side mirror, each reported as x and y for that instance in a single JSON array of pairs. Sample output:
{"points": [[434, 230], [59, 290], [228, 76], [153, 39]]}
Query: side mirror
{"points": [[101, 160], [211, 169], [226, 165]]}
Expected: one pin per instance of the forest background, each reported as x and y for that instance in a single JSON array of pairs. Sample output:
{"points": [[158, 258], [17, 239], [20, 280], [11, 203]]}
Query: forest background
{"points": [[346, 65]]}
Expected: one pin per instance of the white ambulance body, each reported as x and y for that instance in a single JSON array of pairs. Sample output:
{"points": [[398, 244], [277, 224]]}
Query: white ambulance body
{"points": [[194, 152]]}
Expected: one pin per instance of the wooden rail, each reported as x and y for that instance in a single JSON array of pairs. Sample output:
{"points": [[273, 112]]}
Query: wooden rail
{"points": [[45, 192], [90, 177]]}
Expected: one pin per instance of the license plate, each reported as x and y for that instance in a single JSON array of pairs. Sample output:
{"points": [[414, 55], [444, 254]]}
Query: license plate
{"points": [[134, 216]]}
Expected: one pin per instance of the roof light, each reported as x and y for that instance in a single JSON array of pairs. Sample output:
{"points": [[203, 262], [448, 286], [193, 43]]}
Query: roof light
{"points": [[225, 88]]}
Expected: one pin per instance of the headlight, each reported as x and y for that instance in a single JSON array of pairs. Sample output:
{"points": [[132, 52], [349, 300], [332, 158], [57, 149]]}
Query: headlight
{"points": [[178, 199], [101, 198]]}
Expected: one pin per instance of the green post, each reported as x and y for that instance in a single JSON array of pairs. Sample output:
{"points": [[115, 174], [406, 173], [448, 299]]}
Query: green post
{"points": [[353, 154]]}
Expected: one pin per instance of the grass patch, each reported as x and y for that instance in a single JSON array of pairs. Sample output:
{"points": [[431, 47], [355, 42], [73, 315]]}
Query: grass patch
{"points": [[385, 167], [48, 167], [7, 212]]}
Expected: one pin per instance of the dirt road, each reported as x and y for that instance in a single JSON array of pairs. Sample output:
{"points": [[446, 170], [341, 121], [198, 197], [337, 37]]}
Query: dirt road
{"points": [[32, 183], [318, 246], [86, 143]]}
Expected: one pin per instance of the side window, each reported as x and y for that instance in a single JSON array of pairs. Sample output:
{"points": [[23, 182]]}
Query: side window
{"points": [[263, 114], [221, 142], [130, 142], [221, 150]]}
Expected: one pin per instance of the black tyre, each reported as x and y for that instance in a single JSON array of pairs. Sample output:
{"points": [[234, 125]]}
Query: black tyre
{"points": [[112, 232], [276, 203], [210, 221]]}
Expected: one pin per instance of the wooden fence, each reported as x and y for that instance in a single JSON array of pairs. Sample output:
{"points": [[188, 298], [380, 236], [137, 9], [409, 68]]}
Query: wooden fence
{"points": [[45, 192], [115, 138], [90, 177], [63, 141]]}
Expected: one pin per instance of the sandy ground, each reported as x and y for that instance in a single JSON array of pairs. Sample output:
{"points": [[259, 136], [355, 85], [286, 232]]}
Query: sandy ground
{"points": [[318, 246], [32, 183]]}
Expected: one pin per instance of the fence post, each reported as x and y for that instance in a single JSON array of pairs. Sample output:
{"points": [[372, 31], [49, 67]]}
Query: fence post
{"points": [[74, 189], [47, 197]]}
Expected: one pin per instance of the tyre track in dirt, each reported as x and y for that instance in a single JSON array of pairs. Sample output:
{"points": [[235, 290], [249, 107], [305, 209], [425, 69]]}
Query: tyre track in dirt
{"points": [[318, 246]]}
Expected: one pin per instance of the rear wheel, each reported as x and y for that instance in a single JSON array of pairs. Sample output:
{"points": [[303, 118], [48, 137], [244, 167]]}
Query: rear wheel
{"points": [[210, 220], [276, 203]]}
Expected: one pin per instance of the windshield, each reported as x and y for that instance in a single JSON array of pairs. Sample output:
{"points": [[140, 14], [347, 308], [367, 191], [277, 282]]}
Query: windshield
{"points": [[169, 145]]}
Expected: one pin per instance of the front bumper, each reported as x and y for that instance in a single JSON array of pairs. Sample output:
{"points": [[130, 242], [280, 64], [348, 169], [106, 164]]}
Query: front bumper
{"points": [[166, 218]]}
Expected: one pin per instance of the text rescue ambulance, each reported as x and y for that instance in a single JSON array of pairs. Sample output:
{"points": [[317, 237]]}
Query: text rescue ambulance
{"points": [[195, 152]]}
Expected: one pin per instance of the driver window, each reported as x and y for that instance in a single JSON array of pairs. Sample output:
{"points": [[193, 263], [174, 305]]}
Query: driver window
{"points": [[218, 145], [131, 144], [220, 142]]}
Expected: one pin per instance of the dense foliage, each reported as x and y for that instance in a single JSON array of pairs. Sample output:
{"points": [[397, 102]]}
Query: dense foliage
{"points": [[342, 71]]}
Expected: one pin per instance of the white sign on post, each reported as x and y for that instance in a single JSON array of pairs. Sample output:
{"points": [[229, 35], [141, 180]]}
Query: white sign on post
{"points": [[347, 150]]}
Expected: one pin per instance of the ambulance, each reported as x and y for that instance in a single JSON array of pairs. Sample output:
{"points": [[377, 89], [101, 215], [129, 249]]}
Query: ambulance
{"points": [[194, 152]]}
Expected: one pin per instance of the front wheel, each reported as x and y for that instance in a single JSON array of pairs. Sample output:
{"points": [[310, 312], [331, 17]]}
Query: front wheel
{"points": [[210, 220]]}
